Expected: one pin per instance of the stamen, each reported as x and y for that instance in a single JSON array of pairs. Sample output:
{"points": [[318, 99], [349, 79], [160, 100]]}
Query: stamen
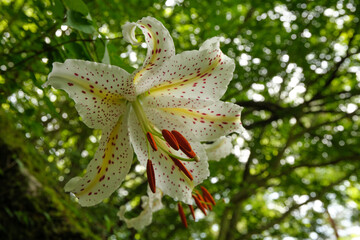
{"points": [[208, 204], [190, 154], [207, 195], [184, 145], [182, 141], [202, 200], [199, 204], [151, 176], [170, 139], [182, 167], [192, 211], [182, 215], [151, 141]]}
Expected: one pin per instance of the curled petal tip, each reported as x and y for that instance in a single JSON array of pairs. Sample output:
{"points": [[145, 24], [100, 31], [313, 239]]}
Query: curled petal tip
{"points": [[128, 31]]}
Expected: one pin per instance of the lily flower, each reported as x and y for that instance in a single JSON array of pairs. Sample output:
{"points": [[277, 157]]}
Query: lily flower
{"points": [[162, 112]]}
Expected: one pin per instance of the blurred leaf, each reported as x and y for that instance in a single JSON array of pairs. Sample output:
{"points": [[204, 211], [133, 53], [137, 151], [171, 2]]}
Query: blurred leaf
{"points": [[58, 8], [79, 22], [77, 5]]}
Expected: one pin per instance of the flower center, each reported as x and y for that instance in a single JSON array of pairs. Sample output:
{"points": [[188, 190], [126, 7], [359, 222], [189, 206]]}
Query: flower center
{"points": [[171, 143]]}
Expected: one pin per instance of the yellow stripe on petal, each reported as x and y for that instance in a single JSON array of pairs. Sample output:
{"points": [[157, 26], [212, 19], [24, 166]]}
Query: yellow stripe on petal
{"points": [[191, 79], [95, 90], [107, 170], [202, 117], [106, 160], [160, 47], [207, 124], [100, 91]]}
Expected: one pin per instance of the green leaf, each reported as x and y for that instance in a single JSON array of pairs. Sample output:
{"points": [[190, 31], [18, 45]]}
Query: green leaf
{"points": [[79, 22], [77, 5], [58, 9]]}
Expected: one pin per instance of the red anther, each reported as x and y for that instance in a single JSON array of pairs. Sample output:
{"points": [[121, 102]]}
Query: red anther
{"points": [[182, 167], [182, 215], [207, 195], [170, 139], [209, 205], [151, 141], [192, 211], [190, 154], [199, 204], [151, 175], [182, 141], [202, 200]]}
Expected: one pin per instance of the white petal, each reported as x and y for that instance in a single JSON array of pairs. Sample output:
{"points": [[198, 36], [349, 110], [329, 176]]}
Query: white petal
{"points": [[173, 102], [207, 124], [211, 43], [219, 149], [108, 168], [203, 74], [160, 47], [168, 177], [128, 31], [163, 121], [99, 90], [150, 204], [138, 139]]}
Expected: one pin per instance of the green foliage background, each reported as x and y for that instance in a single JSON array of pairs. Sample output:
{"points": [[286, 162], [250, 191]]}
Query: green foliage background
{"points": [[297, 76]]}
